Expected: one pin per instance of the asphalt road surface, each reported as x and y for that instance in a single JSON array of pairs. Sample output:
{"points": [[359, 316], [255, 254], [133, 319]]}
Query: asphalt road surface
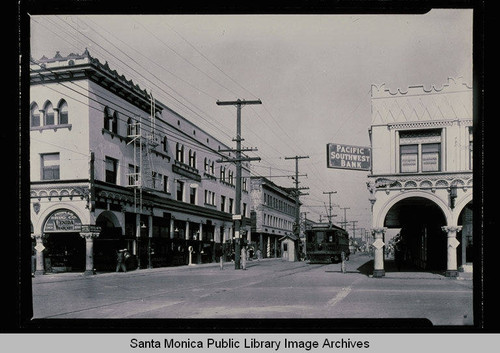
{"points": [[270, 288]]}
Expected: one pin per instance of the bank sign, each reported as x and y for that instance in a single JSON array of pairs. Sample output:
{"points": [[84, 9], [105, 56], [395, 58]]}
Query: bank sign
{"points": [[348, 157]]}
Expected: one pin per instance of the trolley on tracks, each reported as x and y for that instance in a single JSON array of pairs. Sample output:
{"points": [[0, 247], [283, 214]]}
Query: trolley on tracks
{"points": [[326, 243]]}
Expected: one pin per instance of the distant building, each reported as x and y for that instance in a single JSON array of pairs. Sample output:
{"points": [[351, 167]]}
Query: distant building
{"points": [[421, 180], [111, 167], [273, 216]]}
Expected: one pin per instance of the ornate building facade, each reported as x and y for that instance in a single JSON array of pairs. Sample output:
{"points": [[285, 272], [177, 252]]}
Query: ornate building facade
{"points": [[111, 168], [421, 179]]}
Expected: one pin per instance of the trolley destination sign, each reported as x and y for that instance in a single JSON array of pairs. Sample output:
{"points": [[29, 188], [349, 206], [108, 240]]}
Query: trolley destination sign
{"points": [[348, 157]]}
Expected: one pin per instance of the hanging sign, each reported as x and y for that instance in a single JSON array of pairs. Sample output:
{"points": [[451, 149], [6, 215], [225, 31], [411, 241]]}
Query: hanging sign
{"points": [[348, 157], [62, 221]]}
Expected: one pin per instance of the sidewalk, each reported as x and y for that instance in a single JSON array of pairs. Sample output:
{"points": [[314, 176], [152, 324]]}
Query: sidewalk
{"points": [[72, 276]]}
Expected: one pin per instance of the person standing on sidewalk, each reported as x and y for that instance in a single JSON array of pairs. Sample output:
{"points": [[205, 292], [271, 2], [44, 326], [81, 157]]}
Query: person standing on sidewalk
{"points": [[120, 260]]}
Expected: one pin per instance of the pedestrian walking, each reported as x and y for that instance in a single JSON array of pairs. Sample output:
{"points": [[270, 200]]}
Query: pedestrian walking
{"points": [[259, 254], [120, 260]]}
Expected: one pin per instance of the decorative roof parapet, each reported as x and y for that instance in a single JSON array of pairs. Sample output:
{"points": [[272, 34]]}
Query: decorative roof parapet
{"points": [[453, 85], [85, 57]]}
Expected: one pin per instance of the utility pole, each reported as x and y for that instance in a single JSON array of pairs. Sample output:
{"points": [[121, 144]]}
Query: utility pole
{"points": [[329, 193], [238, 217], [344, 223], [296, 230], [354, 228]]}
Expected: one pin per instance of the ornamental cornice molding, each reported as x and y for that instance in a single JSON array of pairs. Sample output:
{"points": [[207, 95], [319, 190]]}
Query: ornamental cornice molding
{"points": [[52, 191], [430, 182], [421, 124]]}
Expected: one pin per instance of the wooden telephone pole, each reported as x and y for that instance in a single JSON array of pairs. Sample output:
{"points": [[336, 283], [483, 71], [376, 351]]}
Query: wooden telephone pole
{"points": [[237, 216]]}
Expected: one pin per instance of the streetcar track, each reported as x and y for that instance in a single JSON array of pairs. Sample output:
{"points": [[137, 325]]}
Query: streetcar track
{"points": [[190, 288]]}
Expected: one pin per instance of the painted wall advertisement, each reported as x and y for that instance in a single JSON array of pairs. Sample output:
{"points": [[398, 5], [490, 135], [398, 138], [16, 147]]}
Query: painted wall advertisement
{"points": [[348, 157], [63, 221]]}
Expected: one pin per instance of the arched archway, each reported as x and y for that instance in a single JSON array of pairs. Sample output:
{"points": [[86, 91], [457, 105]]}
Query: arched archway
{"points": [[110, 240], [421, 242], [465, 254]]}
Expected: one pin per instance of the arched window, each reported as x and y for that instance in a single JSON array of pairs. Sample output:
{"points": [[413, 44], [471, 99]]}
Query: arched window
{"points": [[114, 123], [63, 112], [49, 114], [107, 117], [205, 165], [35, 115]]}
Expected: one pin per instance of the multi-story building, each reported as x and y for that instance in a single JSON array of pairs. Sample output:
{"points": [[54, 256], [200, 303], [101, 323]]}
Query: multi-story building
{"points": [[112, 167], [273, 218], [421, 179]]}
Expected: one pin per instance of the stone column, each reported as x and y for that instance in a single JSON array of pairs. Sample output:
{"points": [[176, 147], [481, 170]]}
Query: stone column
{"points": [[452, 243], [40, 266], [186, 236], [378, 244], [89, 249]]}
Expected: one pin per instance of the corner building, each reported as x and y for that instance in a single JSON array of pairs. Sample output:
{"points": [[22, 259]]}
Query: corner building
{"points": [[111, 167], [421, 180], [273, 218]]}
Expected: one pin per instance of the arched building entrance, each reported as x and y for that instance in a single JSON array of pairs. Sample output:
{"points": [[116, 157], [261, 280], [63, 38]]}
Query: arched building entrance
{"points": [[110, 240], [421, 242], [64, 247]]}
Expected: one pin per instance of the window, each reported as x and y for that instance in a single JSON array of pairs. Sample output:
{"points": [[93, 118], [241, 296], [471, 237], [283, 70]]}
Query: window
{"points": [[231, 177], [107, 118], [470, 148], [111, 165], [35, 115], [244, 184], [133, 175], [244, 210], [205, 165], [49, 114], [192, 159], [212, 168], [114, 123], [223, 203], [179, 190], [192, 195], [165, 183], [430, 157], [164, 144], [231, 204], [50, 166], [222, 174], [63, 112], [420, 151], [409, 158], [179, 152]]}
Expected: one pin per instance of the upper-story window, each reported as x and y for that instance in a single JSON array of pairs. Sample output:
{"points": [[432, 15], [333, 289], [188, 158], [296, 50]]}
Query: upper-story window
{"points": [[164, 144], [35, 115], [110, 120], [49, 116], [222, 174], [63, 112], [50, 165], [205, 165], [192, 158], [179, 190], [179, 152], [420, 151], [111, 170], [470, 148]]}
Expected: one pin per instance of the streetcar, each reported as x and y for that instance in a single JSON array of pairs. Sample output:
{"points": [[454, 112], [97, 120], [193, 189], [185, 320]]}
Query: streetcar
{"points": [[326, 243]]}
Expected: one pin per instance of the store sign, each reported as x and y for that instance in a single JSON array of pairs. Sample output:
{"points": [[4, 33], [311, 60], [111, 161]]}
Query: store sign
{"points": [[63, 221], [348, 157], [90, 228]]}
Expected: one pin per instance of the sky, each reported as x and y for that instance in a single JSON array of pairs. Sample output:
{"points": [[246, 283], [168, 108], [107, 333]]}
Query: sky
{"points": [[313, 74]]}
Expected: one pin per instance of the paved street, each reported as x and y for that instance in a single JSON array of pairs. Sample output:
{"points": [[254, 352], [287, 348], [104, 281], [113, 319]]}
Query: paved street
{"points": [[267, 289]]}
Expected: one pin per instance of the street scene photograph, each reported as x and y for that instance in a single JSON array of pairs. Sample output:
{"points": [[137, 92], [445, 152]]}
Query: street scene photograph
{"points": [[253, 166]]}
